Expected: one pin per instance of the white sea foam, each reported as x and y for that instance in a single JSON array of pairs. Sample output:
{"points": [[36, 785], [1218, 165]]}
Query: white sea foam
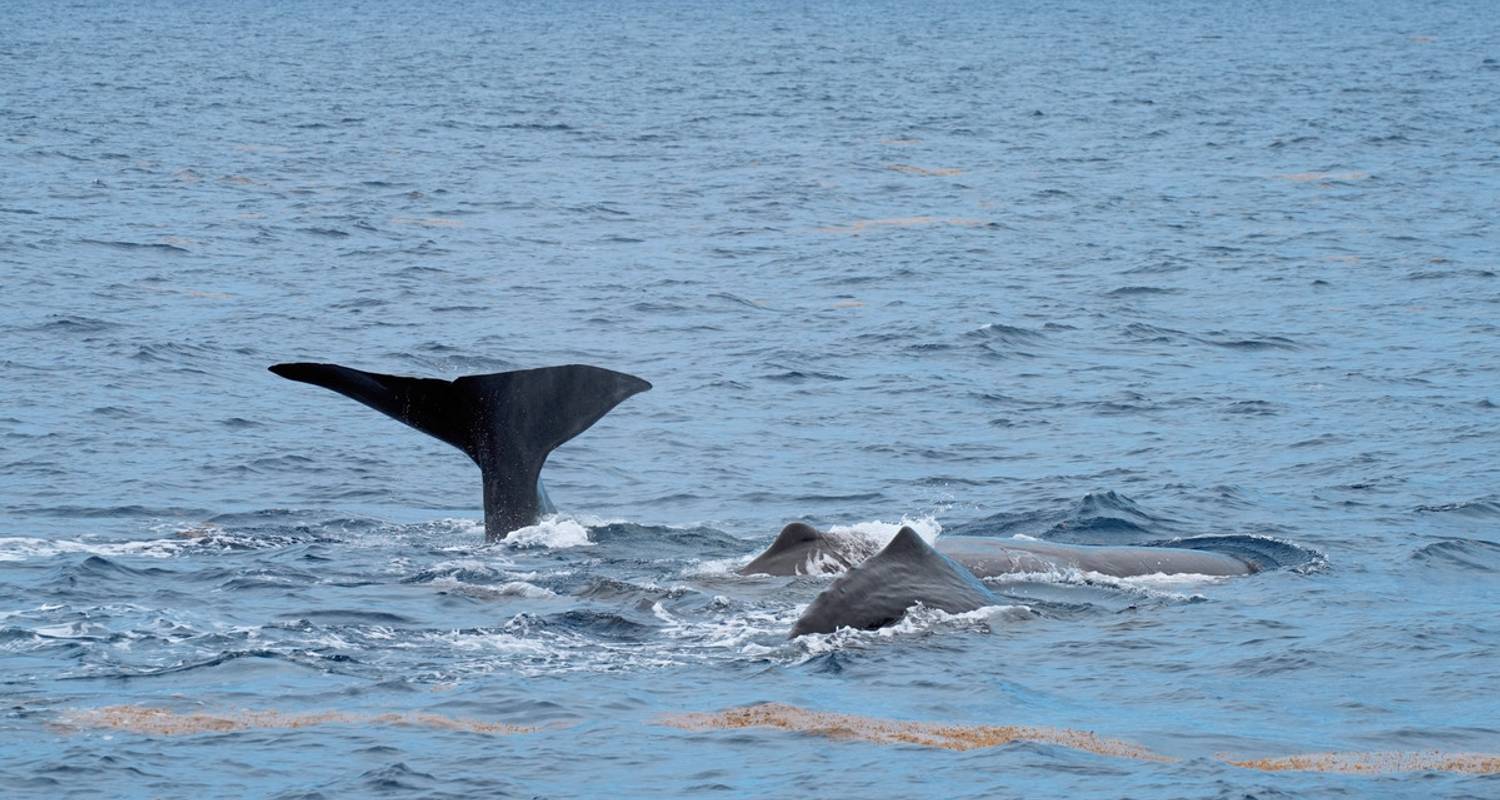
{"points": [[918, 619], [716, 567], [552, 532], [522, 589], [1170, 586], [493, 564], [21, 548], [880, 533], [465, 527], [730, 631]]}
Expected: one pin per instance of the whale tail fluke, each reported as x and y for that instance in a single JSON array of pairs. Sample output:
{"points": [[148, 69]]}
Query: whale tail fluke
{"points": [[507, 422]]}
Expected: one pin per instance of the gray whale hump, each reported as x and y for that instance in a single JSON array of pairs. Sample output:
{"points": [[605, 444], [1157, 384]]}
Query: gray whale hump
{"points": [[507, 422], [880, 590], [799, 548]]}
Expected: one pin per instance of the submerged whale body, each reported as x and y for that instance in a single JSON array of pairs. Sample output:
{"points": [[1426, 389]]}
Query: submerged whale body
{"points": [[507, 422], [802, 550], [879, 590]]}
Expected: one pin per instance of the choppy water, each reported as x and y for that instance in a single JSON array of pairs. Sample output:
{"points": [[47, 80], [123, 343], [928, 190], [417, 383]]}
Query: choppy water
{"points": [[1077, 271]]}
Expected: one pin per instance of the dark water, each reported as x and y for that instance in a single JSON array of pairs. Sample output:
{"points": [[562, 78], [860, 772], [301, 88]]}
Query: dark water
{"points": [[1083, 272]]}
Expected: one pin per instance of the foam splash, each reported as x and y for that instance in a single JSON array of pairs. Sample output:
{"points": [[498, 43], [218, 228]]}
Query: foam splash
{"points": [[522, 589], [23, 548], [465, 527], [861, 540], [733, 631], [718, 568], [1157, 585], [165, 722], [880, 533], [918, 619], [552, 532], [852, 727]]}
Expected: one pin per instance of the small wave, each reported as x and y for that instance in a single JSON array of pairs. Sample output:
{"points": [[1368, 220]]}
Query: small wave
{"points": [[303, 658], [758, 305], [1155, 334], [862, 225], [22, 548], [692, 541], [1472, 554], [1097, 518], [536, 126], [69, 323], [1257, 408], [600, 625], [1482, 507], [625, 592], [802, 376], [464, 571], [1253, 342], [136, 246], [1264, 552], [1008, 334]]}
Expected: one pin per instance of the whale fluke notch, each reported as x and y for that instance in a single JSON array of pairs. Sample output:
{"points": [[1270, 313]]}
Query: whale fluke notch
{"points": [[507, 422], [879, 591]]}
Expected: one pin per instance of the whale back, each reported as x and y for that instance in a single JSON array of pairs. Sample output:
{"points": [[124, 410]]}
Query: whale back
{"points": [[879, 591], [800, 549]]}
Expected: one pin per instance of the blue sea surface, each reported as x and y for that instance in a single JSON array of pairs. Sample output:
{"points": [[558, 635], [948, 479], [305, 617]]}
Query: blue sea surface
{"points": [[1084, 271]]}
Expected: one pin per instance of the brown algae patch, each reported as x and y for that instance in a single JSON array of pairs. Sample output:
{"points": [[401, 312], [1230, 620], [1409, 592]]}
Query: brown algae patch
{"points": [[1376, 763], [947, 736], [860, 226], [165, 722], [911, 169]]}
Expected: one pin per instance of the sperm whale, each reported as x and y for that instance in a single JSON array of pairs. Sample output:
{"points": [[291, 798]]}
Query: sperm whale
{"points": [[801, 549], [876, 591]]}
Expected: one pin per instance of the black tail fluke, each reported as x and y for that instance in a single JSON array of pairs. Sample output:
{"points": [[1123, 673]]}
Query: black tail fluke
{"points": [[508, 422]]}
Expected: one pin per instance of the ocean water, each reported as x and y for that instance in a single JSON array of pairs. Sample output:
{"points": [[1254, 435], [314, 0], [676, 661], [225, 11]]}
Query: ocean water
{"points": [[1086, 271]]}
